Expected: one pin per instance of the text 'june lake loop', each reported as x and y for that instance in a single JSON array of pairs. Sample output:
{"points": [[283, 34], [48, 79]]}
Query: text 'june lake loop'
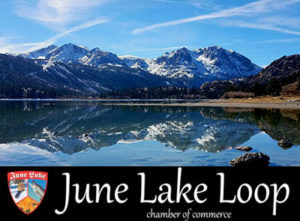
{"points": [[94, 192]]}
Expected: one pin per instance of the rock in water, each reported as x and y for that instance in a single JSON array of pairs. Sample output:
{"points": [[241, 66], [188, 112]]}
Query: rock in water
{"points": [[251, 159], [285, 143], [244, 148]]}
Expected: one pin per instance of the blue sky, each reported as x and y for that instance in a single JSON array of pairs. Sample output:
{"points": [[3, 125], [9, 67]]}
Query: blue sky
{"points": [[262, 30]]}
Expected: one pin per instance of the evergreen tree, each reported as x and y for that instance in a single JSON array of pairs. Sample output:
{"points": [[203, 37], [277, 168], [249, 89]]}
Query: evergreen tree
{"points": [[273, 87]]}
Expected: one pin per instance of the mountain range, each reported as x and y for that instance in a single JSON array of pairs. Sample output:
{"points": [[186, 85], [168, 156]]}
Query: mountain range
{"points": [[23, 77], [75, 70], [71, 70], [191, 68], [194, 67]]}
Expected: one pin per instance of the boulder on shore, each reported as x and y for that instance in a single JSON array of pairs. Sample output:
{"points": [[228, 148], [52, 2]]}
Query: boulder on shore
{"points": [[251, 159], [285, 143], [244, 148]]}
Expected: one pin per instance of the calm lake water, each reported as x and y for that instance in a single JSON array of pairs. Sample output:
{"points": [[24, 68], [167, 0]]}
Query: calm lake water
{"points": [[50, 133]]}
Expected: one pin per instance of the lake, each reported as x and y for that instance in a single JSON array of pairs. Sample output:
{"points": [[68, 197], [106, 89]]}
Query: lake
{"points": [[89, 133]]}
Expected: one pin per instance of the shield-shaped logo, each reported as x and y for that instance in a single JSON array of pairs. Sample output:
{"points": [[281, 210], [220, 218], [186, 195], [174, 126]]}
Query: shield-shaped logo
{"points": [[27, 189]]}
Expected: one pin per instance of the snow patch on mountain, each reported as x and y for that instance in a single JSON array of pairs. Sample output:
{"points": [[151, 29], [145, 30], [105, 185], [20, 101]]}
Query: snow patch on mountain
{"points": [[39, 54], [97, 57]]}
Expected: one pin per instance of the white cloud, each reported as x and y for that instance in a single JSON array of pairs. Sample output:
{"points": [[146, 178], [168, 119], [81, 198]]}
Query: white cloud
{"points": [[204, 4], [170, 1], [282, 40], [25, 47], [55, 12], [253, 8], [263, 26], [279, 20]]}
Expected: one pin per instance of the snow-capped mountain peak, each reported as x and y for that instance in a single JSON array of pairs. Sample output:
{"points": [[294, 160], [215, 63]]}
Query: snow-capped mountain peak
{"points": [[136, 62], [178, 57], [67, 52], [97, 57], [195, 67]]}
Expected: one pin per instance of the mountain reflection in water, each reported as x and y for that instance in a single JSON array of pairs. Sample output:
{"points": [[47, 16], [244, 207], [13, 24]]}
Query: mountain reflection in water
{"points": [[71, 127]]}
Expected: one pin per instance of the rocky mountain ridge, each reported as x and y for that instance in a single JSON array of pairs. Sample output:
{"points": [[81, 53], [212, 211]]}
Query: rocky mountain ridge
{"points": [[280, 72]]}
